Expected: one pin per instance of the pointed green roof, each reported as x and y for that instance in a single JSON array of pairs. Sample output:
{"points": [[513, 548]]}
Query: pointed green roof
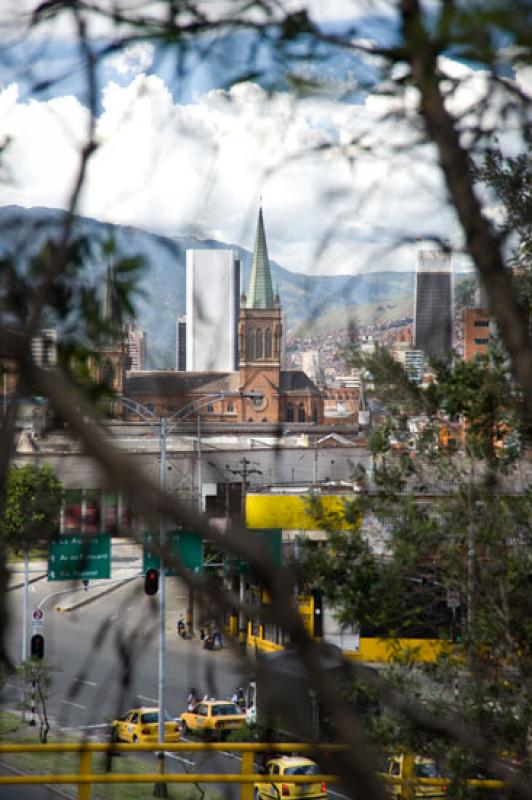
{"points": [[260, 292]]}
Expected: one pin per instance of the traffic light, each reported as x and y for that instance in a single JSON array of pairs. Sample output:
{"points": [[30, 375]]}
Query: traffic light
{"points": [[37, 646], [151, 581]]}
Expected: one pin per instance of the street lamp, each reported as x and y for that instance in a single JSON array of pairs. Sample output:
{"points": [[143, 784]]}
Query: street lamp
{"points": [[166, 428]]}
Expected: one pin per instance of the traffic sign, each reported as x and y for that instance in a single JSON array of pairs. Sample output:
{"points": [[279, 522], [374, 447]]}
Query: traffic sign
{"points": [[185, 545], [453, 598], [37, 618], [272, 540], [79, 557]]}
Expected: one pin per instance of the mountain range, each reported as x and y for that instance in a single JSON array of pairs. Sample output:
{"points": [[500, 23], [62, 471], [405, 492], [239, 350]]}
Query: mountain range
{"points": [[313, 304]]}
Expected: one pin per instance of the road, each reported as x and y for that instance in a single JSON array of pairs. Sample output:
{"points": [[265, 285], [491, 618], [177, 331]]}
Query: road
{"points": [[104, 658]]}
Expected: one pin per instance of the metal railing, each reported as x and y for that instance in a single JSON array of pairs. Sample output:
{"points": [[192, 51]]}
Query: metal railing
{"points": [[246, 778]]}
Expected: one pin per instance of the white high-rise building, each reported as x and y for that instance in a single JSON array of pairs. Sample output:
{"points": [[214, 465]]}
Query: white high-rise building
{"points": [[137, 347], [44, 348], [213, 306]]}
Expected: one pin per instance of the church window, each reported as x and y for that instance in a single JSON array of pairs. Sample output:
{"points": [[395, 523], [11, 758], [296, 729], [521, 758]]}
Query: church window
{"points": [[289, 412], [268, 343], [315, 414], [230, 408], [108, 373], [276, 343], [259, 348], [301, 416], [210, 408], [250, 345]]}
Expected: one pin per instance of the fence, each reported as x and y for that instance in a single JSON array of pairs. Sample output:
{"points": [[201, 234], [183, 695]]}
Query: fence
{"points": [[246, 778]]}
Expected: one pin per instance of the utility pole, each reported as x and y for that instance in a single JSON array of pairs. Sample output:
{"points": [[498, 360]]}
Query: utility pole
{"points": [[160, 789], [244, 472]]}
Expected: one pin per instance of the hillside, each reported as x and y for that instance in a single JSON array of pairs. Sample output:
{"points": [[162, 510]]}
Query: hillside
{"points": [[325, 302]]}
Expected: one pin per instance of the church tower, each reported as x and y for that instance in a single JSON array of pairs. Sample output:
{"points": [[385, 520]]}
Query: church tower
{"points": [[111, 362], [260, 337]]}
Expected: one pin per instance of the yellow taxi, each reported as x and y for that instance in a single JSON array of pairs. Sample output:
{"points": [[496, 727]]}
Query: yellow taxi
{"points": [[423, 768], [290, 765], [142, 725], [217, 716]]}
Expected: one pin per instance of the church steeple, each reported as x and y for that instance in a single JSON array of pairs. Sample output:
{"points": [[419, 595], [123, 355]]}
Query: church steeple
{"points": [[260, 292]]}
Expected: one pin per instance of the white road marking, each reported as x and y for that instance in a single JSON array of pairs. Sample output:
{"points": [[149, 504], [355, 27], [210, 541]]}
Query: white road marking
{"points": [[337, 794], [113, 617], [232, 755], [180, 758], [149, 699], [85, 727], [87, 683], [76, 705]]}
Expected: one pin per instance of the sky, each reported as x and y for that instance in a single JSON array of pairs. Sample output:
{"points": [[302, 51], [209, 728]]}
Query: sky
{"points": [[198, 159]]}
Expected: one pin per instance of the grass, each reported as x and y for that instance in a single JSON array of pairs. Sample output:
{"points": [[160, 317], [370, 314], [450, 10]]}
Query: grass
{"points": [[13, 730], [36, 553]]}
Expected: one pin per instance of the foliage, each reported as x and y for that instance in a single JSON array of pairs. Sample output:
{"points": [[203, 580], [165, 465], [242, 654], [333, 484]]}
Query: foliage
{"points": [[30, 514], [441, 521]]}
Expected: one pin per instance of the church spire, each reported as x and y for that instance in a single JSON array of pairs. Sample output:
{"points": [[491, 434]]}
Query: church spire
{"points": [[260, 292]]}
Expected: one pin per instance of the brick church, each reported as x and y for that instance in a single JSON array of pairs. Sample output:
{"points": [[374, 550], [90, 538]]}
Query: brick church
{"points": [[260, 391]]}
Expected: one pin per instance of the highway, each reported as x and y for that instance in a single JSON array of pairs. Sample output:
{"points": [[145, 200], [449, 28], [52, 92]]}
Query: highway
{"points": [[104, 658]]}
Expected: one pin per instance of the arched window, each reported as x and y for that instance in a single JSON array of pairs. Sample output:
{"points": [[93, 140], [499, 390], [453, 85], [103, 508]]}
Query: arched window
{"points": [[268, 343], [230, 408], [259, 346], [301, 416], [289, 412], [276, 341], [250, 345], [315, 413], [108, 373]]}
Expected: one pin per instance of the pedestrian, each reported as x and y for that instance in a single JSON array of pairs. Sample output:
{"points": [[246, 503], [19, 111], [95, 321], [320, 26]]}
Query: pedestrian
{"points": [[181, 628], [192, 700], [217, 637]]}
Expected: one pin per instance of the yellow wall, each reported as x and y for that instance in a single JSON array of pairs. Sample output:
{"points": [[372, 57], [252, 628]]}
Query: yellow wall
{"points": [[382, 650], [291, 512]]}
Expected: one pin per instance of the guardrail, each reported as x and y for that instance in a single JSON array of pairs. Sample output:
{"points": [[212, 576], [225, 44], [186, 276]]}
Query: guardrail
{"points": [[246, 778]]}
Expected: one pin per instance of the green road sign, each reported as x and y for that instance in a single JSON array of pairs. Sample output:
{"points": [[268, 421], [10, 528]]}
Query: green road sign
{"points": [[79, 557], [271, 538], [186, 545]]}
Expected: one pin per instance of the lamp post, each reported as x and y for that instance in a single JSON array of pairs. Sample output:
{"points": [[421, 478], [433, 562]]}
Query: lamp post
{"points": [[164, 429]]}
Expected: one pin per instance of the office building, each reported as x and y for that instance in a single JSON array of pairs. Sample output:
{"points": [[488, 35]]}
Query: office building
{"points": [[310, 364], [477, 332], [44, 348], [412, 360], [136, 347], [212, 304], [181, 344], [433, 305]]}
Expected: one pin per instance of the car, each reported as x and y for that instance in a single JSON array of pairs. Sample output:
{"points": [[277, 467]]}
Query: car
{"points": [[423, 768], [213, 715], [290, 765], [142, 725]]}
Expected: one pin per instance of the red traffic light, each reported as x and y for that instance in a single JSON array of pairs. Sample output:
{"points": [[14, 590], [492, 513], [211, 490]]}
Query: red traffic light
{"points": [[37, 646], [151, 581]]}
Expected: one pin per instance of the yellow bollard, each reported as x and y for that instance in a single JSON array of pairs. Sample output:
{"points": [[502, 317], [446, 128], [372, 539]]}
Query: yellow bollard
{"points": [[247, 768], [85, 768]]}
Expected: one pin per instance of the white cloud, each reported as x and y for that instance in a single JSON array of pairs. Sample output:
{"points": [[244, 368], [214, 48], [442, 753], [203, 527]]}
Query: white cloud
{"points": [[201, 167], [133, 60]]}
